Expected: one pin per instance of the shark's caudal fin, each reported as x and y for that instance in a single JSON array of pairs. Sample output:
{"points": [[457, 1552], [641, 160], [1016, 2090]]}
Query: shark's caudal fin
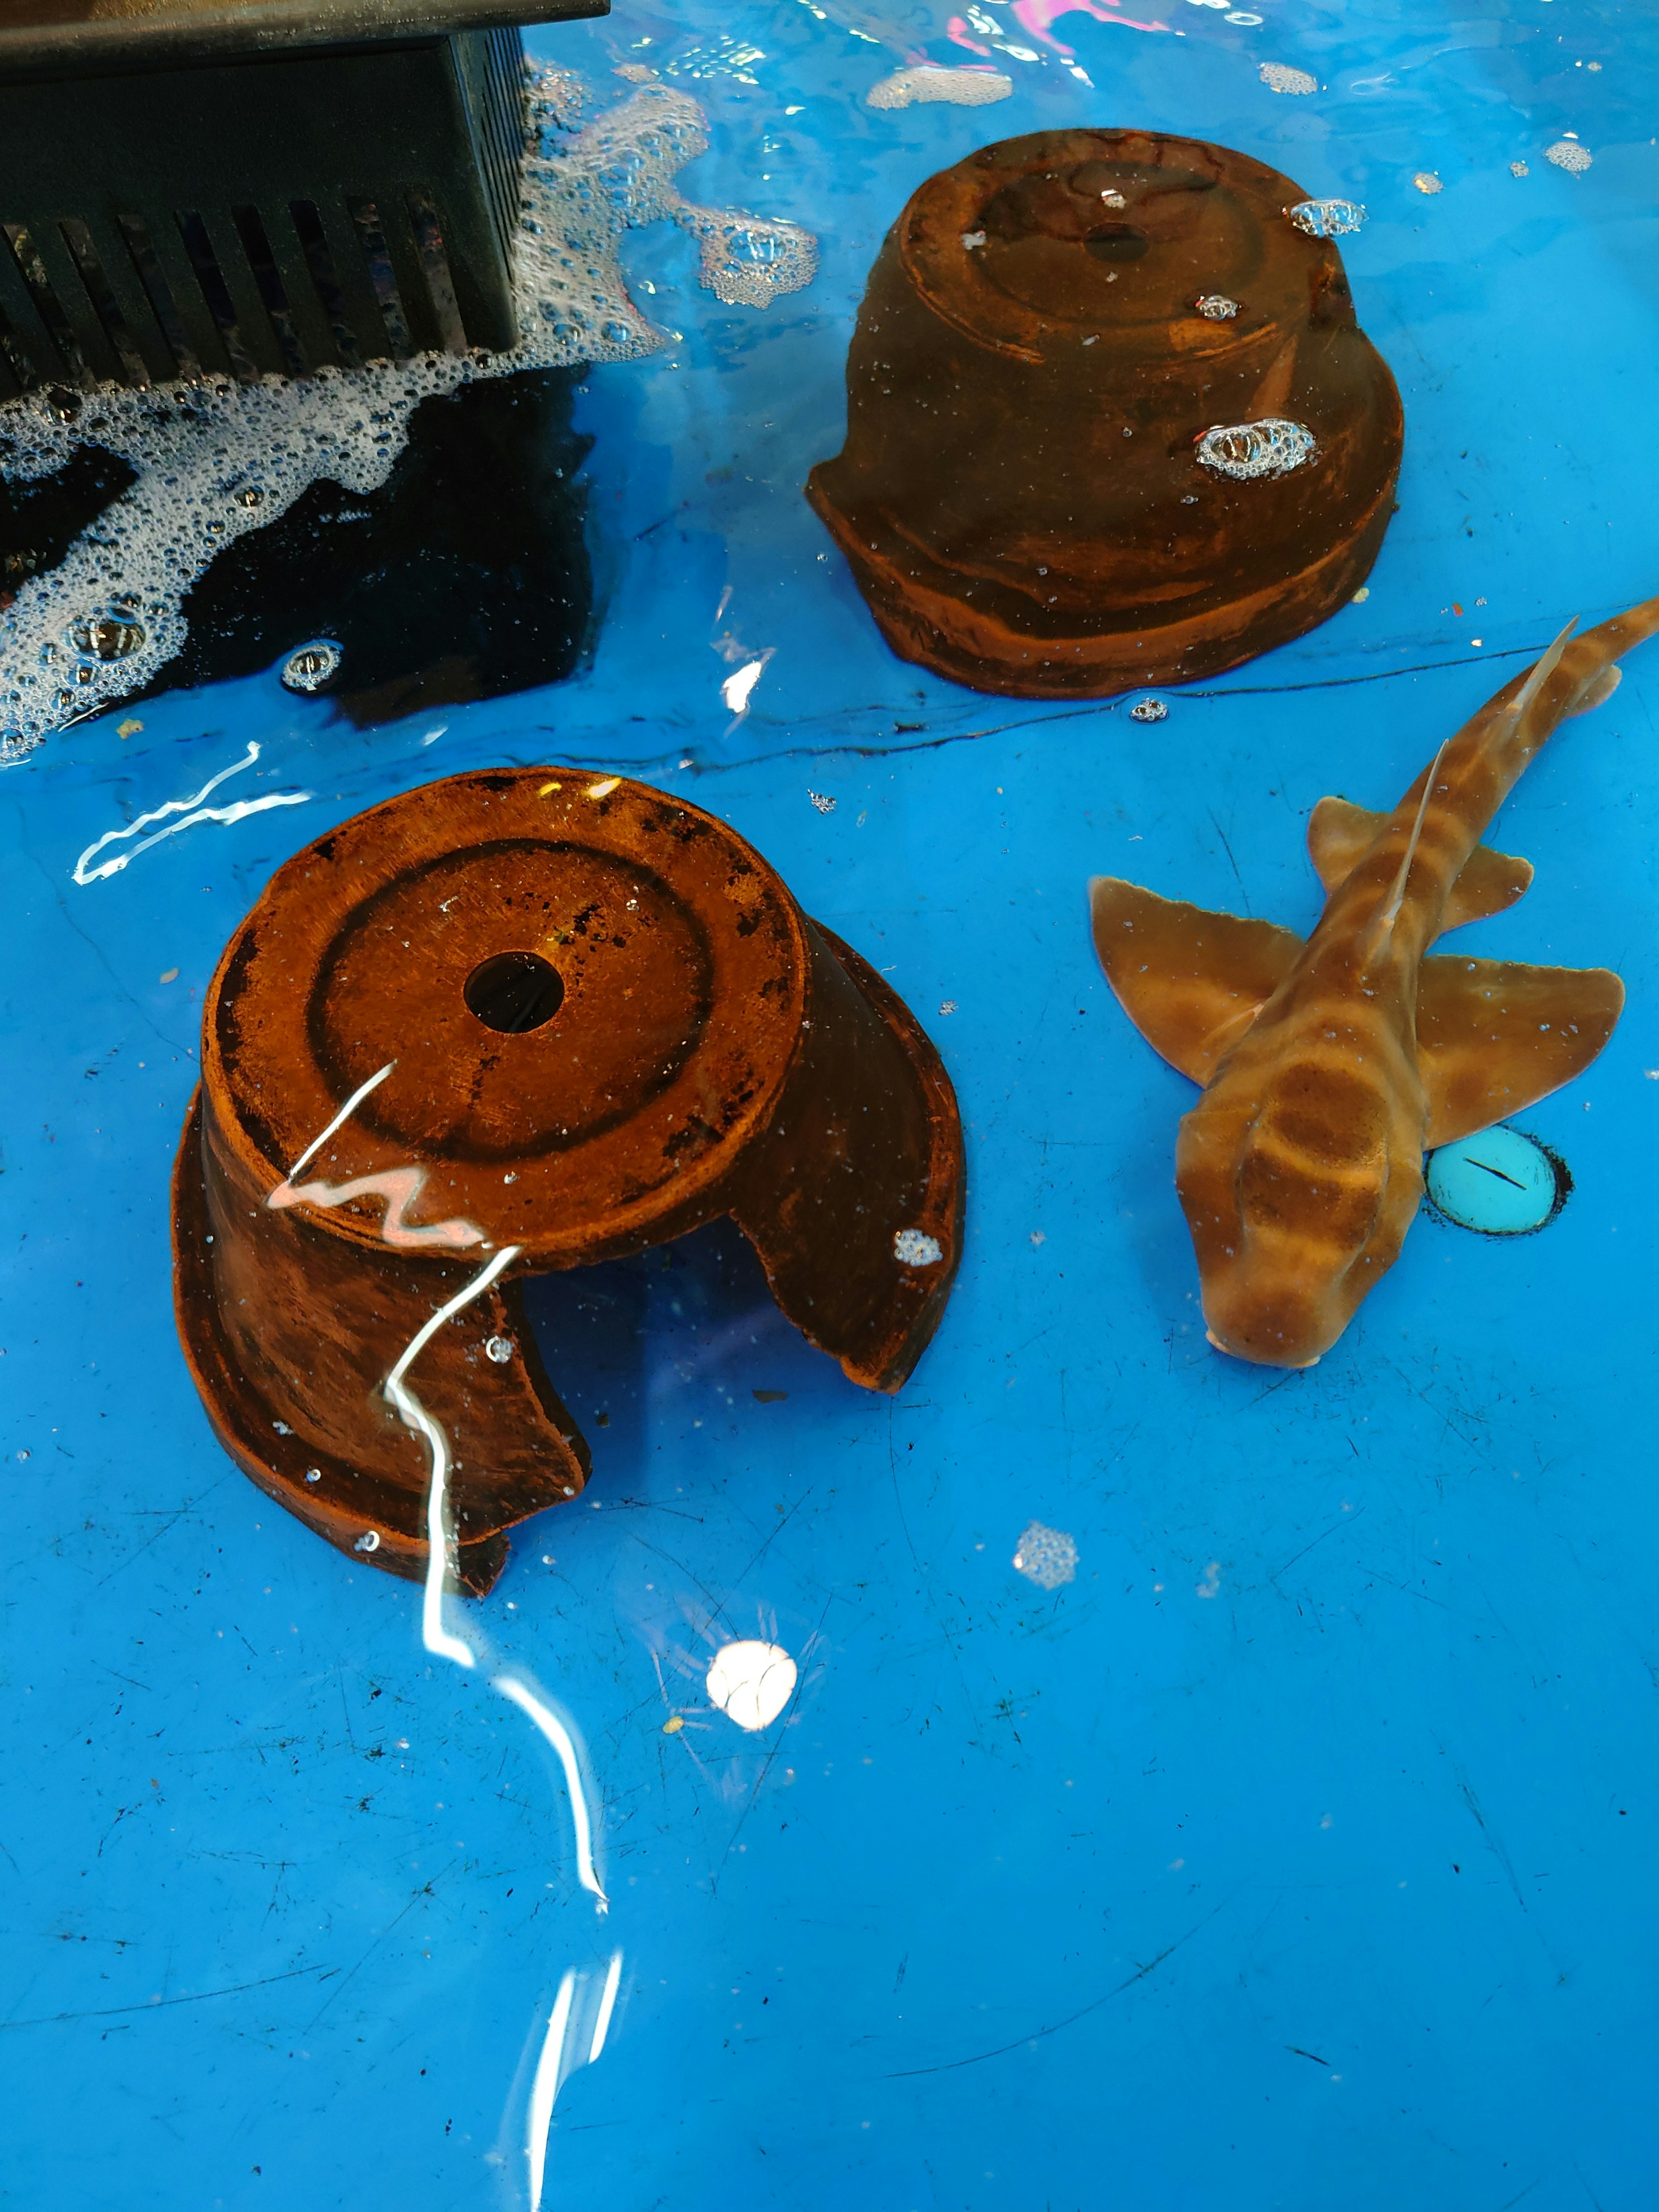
{"points": [[1495, 1036], [1574, 675], [1589, 659], [1191, 982], [1339, 834]]}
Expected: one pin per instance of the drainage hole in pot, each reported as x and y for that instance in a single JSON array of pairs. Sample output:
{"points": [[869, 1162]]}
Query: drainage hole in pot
{"points": [[515, 992], [1117, 241]]}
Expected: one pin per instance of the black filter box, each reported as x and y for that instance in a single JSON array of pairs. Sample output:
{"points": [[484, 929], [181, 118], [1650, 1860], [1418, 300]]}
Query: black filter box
{"points": [[253, 186]]}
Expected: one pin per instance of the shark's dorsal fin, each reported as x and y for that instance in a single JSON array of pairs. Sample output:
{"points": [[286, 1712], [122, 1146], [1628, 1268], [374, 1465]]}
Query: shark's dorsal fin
{"points": [[1339, 833], [1382, 930], [1190, 980], [1494, 1036]]}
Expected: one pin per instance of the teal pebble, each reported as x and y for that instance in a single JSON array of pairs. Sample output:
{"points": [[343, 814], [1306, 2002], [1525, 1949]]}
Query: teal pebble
{"points": [[1500, 1182]]}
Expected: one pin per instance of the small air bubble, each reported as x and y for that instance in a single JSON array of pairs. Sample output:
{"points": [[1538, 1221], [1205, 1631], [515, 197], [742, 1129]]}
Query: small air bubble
{"points": [[110, 635], [312, 667]]}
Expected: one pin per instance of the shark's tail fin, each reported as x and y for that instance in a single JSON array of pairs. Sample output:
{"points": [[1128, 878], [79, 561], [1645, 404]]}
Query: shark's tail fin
{"points": [[1570, 676], [1590, 662]]}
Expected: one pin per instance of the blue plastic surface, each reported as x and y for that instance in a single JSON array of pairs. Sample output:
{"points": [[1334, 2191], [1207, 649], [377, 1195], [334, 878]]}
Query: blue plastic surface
{"points": [[1296, 1854]]}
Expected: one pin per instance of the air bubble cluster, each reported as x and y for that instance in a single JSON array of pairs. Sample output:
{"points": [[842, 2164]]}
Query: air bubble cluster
{"points": [[1247, 450], [1046, 1556], [1326, 218], [216, 458]]}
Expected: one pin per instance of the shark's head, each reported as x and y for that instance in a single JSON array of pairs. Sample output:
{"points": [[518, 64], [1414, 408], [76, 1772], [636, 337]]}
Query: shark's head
{"points": [[1297, 1205]]}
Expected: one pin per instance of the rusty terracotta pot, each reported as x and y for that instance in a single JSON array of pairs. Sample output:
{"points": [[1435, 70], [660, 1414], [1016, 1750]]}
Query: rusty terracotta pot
{"points": [[1026, 495], [598, 1020]]}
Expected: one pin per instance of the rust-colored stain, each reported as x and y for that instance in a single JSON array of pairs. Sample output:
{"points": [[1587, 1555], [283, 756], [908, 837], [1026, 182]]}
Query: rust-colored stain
{"points": [[1043, 345], [599, 1020]]}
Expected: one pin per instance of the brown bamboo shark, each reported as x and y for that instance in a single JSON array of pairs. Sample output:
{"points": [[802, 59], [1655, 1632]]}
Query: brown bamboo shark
{"points": [[1328, 1065]]}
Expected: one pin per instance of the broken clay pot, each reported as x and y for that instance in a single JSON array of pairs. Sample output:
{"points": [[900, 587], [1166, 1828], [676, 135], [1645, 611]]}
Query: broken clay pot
{"points": [[522, 1020], [1110, 419]]}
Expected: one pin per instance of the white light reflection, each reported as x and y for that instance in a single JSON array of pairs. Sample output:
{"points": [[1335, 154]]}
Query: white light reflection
{"points": [[512, 1686], [399, 1188], [551, 2066], [545, 2087], [607, 2006], [554, 2069], [736, 688], [238, 811], [342, 1117], [435, 1636]]}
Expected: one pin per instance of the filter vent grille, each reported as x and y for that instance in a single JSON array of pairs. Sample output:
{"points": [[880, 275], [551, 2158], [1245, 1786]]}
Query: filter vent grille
{"points": [[133, 285]]}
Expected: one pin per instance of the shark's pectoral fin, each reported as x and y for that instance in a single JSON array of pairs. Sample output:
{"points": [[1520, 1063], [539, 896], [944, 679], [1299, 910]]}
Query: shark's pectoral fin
{"points": [[1492, 1035], [1191, 982], [1488, 882], [1339, 834]]}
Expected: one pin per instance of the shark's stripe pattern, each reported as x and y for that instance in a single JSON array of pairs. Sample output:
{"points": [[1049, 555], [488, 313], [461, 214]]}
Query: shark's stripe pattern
{"points": [[1328, 1065]]}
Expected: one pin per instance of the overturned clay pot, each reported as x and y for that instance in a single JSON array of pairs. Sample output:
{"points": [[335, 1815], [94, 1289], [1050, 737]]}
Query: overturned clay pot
{"points": [[522, 1020], [1110, 419]]}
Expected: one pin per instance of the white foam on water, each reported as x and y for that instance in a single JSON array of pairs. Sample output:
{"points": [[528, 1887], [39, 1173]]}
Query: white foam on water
{"points": [[958, 88], [1046, 1556], [1278, 78], [216, 458]]}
